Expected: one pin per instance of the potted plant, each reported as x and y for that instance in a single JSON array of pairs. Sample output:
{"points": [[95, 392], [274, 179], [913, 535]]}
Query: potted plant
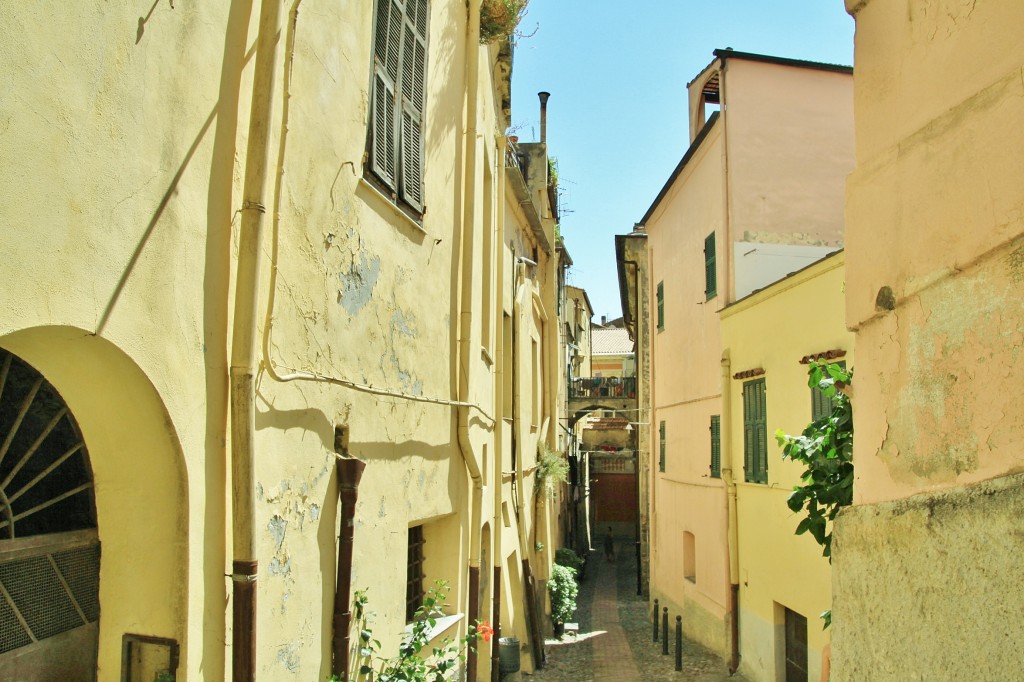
{"points": [[499, 18], [562, 589], [567, 557]]}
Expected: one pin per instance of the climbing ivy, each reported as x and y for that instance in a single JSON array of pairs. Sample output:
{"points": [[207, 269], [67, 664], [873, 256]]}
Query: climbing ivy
{"points": [[826, 448]]}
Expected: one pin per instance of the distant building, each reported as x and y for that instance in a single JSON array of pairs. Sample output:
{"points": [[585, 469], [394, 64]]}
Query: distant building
{"points": [[758, 194]]}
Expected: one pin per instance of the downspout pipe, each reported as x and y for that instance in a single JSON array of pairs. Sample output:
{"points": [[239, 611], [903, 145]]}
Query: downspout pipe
{"points": [[243, 349], [728, 475], [499, 423], [466, 242], [349, 470]]}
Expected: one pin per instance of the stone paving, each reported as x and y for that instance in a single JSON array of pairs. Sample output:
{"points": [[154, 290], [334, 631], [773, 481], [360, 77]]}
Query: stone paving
{"points": [[615, 639]]}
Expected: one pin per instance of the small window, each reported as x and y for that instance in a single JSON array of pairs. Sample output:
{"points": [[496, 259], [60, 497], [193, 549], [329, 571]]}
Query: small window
{"points": [[710, 270], [661, 435], [716, 446], [661, 306], [414, 573], [821, 406], [755, 432], [689, 557]]}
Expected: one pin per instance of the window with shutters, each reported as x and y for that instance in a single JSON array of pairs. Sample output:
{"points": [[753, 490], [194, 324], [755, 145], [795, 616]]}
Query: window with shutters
{"points": [[710, 269], [397, 98], [755, 432], [661, 306], [821, 405], [716, 446], [661, 450]]}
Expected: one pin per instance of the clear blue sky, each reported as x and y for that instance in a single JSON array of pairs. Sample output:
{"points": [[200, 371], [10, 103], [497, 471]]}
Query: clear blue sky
{"points": [[617, 119]]}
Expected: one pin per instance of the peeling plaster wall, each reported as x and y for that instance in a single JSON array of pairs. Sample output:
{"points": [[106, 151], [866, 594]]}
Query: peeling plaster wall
{"points": [[927, 557], [122, 189]]}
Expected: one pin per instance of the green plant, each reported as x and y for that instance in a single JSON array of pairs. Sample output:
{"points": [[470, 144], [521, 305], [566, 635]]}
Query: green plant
{"points": [[500, 18], [409, 665], [552, 470], [569, 558], [825, 448], [552, 171], [563, 590]]}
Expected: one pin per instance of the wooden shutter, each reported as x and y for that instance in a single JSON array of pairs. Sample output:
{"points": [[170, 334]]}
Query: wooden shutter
{"points": [[710, 269], [755, 433], [661, 306], [716, 446], [384, 110], [414, 74], [661, 459]]}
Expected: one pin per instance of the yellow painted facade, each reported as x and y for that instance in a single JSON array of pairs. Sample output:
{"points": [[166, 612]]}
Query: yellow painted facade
{"points": [[422, 343], [778, 570]]}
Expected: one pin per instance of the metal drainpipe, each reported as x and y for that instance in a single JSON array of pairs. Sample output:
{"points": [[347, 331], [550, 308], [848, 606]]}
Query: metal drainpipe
{"points": [[499, 422], [349, 470], [466, 319], [725, 433], [242, 371]]}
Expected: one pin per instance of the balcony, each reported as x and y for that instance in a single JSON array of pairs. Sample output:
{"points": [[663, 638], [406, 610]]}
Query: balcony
{"points": [[585, 388]]}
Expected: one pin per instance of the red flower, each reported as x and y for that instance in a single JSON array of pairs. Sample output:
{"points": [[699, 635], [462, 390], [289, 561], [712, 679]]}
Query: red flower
{"points": [[484, 629]]}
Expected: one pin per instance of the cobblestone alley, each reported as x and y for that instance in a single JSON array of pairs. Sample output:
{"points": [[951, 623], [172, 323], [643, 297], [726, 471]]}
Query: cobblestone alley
{"points": [[615, 640]]}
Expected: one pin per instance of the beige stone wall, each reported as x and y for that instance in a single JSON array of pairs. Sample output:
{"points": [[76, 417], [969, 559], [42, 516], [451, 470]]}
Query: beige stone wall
{"points": [[928, 587], [924, 571]]}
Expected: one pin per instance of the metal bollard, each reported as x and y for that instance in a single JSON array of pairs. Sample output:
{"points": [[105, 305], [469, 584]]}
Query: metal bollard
{"points": [[664, 633], [655, 620], [679, 643]]}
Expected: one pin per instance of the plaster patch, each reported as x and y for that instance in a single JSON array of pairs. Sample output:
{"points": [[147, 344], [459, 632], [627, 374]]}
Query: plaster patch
{"points": [[314, 511], [278, 527], [357, 283], [279, 567], [404, 324], [288, 656]]}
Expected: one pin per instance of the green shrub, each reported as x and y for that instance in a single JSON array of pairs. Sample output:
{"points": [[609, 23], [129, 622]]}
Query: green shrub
{"points": [[569, 558], [563, 590]]}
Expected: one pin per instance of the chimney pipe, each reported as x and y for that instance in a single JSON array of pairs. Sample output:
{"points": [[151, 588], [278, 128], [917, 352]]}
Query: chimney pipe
{"points": [[543, 115]]}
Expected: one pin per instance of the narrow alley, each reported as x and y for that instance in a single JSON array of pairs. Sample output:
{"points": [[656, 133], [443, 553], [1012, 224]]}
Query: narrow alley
{"points": [[615, 638]]}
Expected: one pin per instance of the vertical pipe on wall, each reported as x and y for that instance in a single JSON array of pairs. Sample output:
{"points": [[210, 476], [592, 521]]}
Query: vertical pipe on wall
{"points": [[242, 370], [349, 470], [728, 470], [466, 242]]}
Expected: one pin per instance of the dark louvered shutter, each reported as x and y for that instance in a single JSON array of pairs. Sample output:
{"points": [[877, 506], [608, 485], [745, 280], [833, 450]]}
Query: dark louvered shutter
{"points": [[716, 446], [710, 268], [661, 457], [386, 63]]}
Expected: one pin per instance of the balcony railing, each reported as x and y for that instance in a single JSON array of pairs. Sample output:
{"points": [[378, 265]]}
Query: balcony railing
{"points": [[516, 159], [603, 387]]}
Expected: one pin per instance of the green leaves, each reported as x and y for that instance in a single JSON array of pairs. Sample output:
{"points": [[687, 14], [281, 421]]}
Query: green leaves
{"points": [[825, 448]]}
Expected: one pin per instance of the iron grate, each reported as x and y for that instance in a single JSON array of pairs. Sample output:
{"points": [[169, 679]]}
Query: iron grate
{"points": [[39, 596], [12, 634], [81, 569]]}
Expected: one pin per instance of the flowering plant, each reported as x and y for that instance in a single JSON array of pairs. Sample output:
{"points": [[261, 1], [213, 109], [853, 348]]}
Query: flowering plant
{"points": [[410, 665]]}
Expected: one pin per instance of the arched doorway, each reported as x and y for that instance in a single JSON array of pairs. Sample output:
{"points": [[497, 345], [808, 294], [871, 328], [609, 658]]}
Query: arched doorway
{"points": [[49, 547]]}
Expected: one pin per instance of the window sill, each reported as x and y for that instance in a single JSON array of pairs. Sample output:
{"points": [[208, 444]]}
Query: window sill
{"points": [[485, 354], [383, 200], [443, 623]]}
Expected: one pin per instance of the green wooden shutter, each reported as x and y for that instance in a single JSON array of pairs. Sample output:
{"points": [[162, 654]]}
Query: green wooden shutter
{"points": [[661, 459], [414, 74], [716, 446], [821, 406], [710, 269], [661, 306], [755, 432]]}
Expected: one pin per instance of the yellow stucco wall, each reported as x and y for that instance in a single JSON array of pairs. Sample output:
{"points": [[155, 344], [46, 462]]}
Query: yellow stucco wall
{"points": [[126, 144], [778, 569]]}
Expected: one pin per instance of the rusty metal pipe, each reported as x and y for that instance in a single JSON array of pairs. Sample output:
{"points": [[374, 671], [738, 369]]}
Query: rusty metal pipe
{"points": [[496, 626], [543, 115], [349, 472]]}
